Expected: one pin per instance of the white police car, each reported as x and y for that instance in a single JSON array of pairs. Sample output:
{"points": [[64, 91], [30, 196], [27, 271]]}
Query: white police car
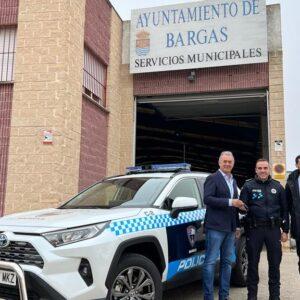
{"points": [[126, 237]]}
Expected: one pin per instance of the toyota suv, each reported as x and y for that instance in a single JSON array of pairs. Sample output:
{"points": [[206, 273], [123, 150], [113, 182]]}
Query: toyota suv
{"points": [[125, 237]]}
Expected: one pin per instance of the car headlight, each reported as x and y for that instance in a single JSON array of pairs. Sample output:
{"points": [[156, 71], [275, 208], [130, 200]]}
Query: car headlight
{"points": [[68, 236]]}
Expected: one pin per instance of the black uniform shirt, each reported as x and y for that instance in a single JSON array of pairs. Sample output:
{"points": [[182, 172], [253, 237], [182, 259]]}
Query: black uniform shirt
{"points": [[265, 200]]}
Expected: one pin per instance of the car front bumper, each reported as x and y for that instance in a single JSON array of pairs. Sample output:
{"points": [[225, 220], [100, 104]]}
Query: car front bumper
{"points": [[59, 277]]}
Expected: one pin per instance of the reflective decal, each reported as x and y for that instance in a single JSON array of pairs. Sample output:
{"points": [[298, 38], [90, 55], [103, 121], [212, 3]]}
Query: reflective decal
{"points": [[152, 222], [186, 264]]}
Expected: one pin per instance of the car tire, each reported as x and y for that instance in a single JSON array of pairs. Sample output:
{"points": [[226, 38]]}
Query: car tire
{"points": [[239, 272], [137, 267]]}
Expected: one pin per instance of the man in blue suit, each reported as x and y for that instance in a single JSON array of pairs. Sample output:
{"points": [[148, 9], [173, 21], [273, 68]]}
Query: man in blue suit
{"points": [[221, 225]]}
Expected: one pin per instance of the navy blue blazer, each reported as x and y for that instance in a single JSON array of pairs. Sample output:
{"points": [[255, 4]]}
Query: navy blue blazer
{"points": [[219, 215]]}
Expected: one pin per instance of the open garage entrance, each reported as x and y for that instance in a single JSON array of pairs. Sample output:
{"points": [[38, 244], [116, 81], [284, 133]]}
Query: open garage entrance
{"points": [[197, 128]]}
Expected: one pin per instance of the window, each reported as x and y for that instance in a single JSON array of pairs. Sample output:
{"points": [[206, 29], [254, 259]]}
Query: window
{"points": [[94, 78], [7, 53], [125, 192], [201, 182], [184, 188]]}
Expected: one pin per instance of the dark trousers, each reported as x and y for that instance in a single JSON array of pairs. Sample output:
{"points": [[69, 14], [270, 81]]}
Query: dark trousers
{"points": [[298, 251], [256, 238]]}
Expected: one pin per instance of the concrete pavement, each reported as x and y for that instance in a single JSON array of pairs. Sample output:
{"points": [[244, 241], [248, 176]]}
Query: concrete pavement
{"points": [[290, 283]]}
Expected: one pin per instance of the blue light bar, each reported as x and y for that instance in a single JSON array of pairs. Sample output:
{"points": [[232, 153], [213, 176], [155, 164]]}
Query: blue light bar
{"points": [[134, 169], [171, 167], [158, 168]]}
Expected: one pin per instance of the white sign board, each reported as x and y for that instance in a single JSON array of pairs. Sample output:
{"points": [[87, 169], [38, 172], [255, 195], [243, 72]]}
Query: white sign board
{"points": [[278, 146], [198, 35]]}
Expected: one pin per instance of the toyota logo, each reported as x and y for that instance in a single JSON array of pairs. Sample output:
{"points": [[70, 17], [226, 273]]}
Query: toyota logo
{"points": [[4, 242]]}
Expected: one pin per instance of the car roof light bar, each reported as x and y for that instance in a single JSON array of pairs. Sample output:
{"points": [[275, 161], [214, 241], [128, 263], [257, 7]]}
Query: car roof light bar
{"points": [[134, 169], [171, 167], [159, 168]]}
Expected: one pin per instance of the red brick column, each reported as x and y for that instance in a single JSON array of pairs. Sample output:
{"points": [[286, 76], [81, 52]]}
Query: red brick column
{"points": [[207, 80], [92, 165], [97, 28], [9, 12], [6, 95], [93, 149]]}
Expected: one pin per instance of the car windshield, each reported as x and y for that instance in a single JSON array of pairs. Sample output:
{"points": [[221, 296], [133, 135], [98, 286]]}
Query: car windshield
{"points": [[124, 192]]}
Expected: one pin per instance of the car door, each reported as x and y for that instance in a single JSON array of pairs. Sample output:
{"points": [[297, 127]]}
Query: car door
{"points": [[185, 235]]}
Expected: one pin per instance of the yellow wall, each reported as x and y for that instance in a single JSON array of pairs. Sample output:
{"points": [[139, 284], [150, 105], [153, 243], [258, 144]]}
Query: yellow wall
{"points": [[47, 96]]}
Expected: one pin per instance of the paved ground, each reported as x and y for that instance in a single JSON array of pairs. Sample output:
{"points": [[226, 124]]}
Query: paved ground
{"points": [[290, 283]]}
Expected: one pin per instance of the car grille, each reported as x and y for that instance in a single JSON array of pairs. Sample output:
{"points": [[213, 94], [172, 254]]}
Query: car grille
{"points": [[37, 289], [21, 253], [12, 293]]}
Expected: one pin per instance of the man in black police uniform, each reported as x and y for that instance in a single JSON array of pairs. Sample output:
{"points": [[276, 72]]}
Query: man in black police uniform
{"points": [[292, 190], [267, 213]]}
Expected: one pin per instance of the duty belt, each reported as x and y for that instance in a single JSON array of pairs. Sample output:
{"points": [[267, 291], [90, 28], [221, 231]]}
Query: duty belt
{"points": [[255, 223]]}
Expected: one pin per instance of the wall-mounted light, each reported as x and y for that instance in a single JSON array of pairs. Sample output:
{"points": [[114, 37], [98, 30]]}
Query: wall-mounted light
{"points": [[192, 76]]}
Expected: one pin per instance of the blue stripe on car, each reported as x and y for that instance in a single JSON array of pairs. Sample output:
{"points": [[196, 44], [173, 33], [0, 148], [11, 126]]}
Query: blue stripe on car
{"points": [[154, 222]]}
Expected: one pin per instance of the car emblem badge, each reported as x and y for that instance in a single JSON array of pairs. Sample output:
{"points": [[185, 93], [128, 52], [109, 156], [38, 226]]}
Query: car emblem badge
{"points": [[191, 233], [4, 242]]}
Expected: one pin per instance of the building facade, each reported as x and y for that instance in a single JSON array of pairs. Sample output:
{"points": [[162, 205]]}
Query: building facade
{"points": [[71, 111], [196, 113]]}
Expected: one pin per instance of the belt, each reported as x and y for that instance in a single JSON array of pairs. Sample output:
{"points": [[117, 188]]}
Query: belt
{"points": [[262, 223], [254, 223], [276, 222]]}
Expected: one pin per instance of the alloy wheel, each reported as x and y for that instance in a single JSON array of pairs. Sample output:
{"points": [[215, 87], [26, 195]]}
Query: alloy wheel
{"points": [[133, 283]]}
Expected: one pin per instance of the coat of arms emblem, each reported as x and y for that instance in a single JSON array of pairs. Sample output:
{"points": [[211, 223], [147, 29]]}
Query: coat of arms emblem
{"points": [[142, 43], [191, 233]]}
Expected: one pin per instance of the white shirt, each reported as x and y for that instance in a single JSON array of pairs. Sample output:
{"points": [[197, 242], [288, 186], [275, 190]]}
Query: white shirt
{"points": [[229, 181]]}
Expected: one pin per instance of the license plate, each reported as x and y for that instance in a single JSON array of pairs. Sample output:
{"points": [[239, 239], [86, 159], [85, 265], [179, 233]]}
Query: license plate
{"points": [[8, 278]]}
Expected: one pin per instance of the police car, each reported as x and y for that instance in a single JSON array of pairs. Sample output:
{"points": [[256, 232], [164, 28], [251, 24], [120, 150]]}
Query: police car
{"points": [[126, 237]]}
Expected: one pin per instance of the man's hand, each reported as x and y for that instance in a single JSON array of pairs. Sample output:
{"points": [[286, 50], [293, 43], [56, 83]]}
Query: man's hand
{"points": [[238, 233], [238, 204], [284, 237]]}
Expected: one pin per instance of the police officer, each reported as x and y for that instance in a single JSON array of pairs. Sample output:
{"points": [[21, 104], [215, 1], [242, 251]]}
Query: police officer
{"points": [[292, 191], [267, 213]]}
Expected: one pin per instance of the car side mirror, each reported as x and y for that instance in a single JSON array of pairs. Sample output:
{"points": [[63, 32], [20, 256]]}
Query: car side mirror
{"points": [[182, 204]]}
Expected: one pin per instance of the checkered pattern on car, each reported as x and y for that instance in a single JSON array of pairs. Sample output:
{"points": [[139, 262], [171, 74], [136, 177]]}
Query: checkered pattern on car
{"points": [[155, 221]]}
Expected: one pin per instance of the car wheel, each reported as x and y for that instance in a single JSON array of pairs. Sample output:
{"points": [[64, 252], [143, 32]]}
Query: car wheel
{"points": [[136, 277], [239, 273]]}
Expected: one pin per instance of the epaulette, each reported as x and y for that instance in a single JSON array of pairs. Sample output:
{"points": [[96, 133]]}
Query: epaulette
{"points": [[276, 180], [248, 181]]}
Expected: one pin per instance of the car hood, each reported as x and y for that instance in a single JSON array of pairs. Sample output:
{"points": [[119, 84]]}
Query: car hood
{"points": [[55, 219]]}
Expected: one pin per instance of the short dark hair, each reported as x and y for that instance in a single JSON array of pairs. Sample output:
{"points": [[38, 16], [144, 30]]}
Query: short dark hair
{"points": [[297, 159], [261, 160]]}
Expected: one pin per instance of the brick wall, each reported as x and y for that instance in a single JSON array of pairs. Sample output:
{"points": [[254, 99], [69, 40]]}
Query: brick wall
{"points": [[207, 80], [47, 96], [6, 94], [93, 148], [276, 107], [115, 98], [92, 165], [121, 125], [9, 12], [8, 16], [97, 27], [127, 120]]}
